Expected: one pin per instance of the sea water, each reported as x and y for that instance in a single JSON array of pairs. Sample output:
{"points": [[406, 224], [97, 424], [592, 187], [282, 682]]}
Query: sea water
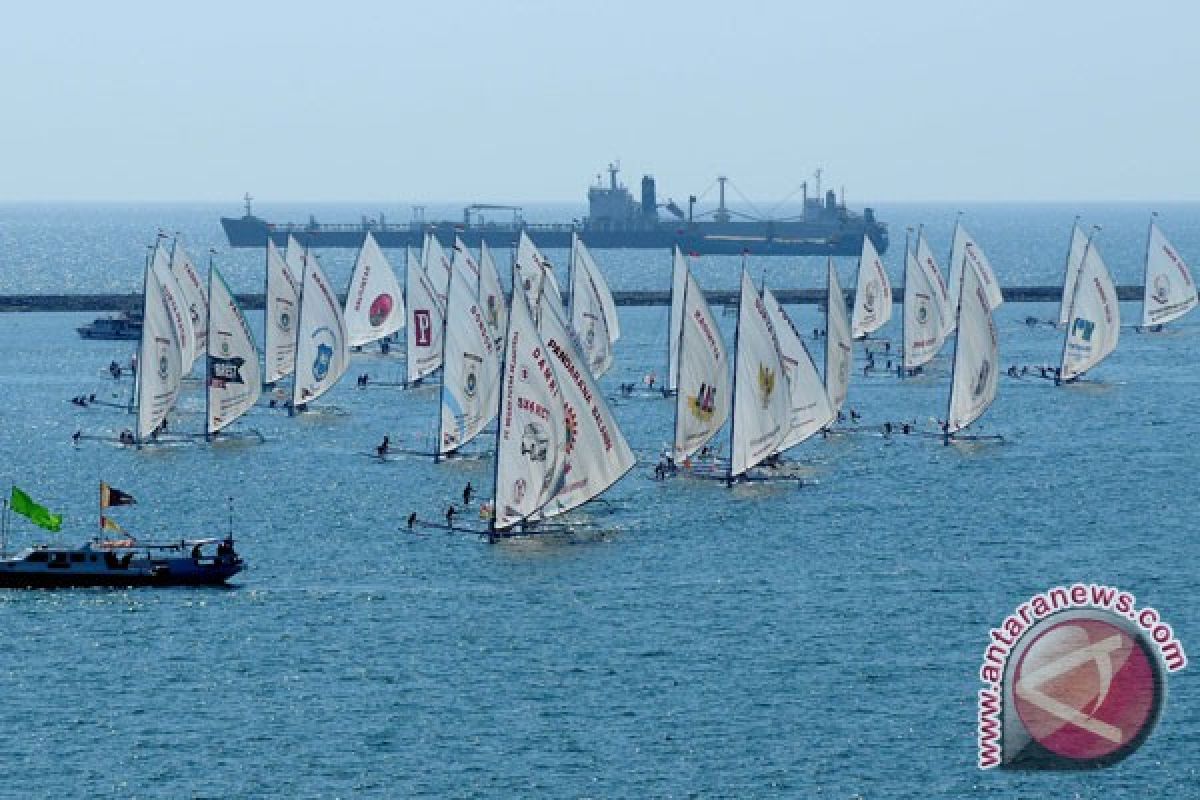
{"points": [[815, 640]]}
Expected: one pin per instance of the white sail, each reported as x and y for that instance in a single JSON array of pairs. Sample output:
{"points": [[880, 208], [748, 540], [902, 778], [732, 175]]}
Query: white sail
{"points": [[160, 357], [591, 309], [282, 305], [234, 379], [872, 293], [374, 303], [941, 295], [976, 353], [1095, 321], [322, 352], [839, 347], [679, 278], [809, 404], [437, 266], [761, 402], [595, 451], [704, 395], [532, 431], [423, 334], [536, 274], [1169, 290], [922, 319], [471, 362], [1075, 253], [491, 295], [172, 295], [195, 298], [963, 247], [294, 255]]}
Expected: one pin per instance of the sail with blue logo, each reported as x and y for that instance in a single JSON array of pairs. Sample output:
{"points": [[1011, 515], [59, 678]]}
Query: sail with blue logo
{"points": [[322, 352], [234, 380], [1169, 291], [471, 366], [1095, 322]]}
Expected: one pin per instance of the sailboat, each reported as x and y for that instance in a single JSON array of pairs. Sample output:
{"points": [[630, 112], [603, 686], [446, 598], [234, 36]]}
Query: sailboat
{"points": [[807, 398], [374, 303], [471, 369], [592, 312], [1094, 324], [491, 295], [761, 398], [940, 295], [322, 353], [704, 395], [426, 322], [194, 296], [973, 379], [160, 355], [1169, 292], [1075, 251], [872, 293], [964, 248], [234, 380], [839, 352], [924, 325], [279, 325], [680, 275]]}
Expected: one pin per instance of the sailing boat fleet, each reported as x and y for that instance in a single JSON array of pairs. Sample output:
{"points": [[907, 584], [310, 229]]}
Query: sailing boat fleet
{"points": [[529, 368]]}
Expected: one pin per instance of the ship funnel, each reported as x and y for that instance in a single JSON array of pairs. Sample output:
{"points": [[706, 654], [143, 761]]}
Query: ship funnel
{"points": [[649, 203]]}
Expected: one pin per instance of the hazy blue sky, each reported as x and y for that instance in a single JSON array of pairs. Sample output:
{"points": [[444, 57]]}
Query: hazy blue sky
{"points": [[493, 101]]}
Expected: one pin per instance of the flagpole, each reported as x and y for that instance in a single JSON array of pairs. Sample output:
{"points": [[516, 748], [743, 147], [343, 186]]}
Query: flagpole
{"points": [[4, 531]]}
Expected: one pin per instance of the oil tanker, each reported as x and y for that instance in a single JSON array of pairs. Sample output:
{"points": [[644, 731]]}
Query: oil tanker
{"points": [[615, 219]]}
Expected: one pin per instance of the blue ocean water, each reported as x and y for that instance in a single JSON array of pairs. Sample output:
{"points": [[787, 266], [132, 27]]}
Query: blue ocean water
{"points": [[687, 640]]}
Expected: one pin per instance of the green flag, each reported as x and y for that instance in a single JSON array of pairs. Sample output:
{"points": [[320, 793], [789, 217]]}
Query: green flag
{"points": [[38, 515]]}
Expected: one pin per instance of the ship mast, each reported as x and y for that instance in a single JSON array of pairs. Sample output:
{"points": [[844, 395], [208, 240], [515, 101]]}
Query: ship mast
{"points": [[722, 214]]}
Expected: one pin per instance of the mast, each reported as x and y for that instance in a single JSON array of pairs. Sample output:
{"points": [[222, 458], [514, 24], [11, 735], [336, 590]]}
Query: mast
{"points": [[828, 306], [1067, 273], [501, 397], [299, 319], [141, 371], [904, 309], [208, 353], [1062, 363], [437, 445], [737, 360], [1146, 264], [266, 297], [678, 367]]}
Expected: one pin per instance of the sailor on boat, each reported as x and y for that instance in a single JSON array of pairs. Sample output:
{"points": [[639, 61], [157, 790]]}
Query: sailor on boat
{"points": [[382, 449]]}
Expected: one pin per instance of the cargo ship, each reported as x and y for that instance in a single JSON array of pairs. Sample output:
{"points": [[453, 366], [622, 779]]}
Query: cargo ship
{"points": [[615, 219]]}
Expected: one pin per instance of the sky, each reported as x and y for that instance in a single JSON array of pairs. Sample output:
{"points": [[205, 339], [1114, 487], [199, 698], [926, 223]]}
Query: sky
{"points": [[524, 101]]}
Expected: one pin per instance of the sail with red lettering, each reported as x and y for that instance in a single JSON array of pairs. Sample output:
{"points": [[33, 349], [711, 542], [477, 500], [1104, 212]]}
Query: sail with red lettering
{"points": [[282, 305], [704, 392], [491, 295], [374, 303], [1169, 291], [160, 356], [531, 437], [234, 381], [595, 452], [1095, 322], [872, 293], [423, 333], [923, 332], [809, 404], [471, 366], [762, 407], [839, 352], [592, 313], [322, 352], [194, 297], [964, 249]]}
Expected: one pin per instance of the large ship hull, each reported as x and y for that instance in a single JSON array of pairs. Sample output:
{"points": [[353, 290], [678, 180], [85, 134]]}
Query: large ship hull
{"points": [[729, 239]]}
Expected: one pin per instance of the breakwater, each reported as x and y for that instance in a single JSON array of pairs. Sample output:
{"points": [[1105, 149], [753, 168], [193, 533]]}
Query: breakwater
{"points": [[132, 302]]}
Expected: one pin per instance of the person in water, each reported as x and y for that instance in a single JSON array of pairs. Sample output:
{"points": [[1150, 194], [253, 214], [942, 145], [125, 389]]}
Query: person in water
{"points": [[412, 520], [76, 436], [468, 491], [450, 512], [382, 449]]}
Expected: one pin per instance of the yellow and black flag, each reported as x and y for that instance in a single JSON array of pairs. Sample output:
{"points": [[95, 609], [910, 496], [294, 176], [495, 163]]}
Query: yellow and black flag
{"points": [[111, 496]]}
